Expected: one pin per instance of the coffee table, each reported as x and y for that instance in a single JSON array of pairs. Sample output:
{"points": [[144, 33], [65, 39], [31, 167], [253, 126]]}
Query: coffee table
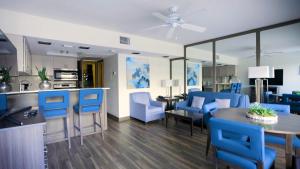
{"points": [[184, 115]]}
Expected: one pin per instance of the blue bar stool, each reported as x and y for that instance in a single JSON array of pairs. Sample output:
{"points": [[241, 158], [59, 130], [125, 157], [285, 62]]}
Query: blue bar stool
{"points": [[3, 102], [53, 105], [88, 104]]}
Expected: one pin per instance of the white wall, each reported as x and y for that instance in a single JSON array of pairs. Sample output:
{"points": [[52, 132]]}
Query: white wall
{"points": [[41, 27], [111, 81], [159, 70], [290, 63]]}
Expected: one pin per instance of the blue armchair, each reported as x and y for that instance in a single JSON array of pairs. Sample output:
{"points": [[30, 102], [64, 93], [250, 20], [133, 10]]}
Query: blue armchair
{"points": [[143, 108], [281, 110], [250, 154], [293, 100], [236, 100]]}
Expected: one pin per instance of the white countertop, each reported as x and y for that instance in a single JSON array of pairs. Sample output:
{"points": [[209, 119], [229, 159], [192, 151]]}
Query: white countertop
{"points": [[36, 91]]}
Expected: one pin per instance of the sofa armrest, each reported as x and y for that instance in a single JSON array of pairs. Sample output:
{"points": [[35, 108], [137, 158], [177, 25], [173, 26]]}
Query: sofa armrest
{"points": [[244, 102], [158, 104], [181, 104]]}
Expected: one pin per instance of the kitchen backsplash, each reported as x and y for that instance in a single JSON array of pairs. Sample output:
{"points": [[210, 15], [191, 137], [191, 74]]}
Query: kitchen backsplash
{"points": [[33, 80]]}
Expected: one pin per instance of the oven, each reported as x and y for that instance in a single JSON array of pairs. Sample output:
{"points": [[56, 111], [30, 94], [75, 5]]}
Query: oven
{"points": [[65, 74]]}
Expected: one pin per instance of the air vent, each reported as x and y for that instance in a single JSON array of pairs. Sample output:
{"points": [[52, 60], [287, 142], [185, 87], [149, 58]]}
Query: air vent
{"points": [[44, 43], [84, 47], [124, 40], [135, 53]]}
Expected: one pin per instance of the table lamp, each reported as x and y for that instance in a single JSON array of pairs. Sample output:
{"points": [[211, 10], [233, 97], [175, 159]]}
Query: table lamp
{"points": [[259, 73], [167, 84]]}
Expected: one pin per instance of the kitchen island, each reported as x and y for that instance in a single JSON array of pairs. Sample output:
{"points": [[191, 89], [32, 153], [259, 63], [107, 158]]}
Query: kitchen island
{"points": [[30, 98]]}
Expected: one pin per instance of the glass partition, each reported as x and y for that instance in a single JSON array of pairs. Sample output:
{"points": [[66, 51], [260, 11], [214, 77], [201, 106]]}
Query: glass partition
{"points": [[199, 67], [233, 57], [280, 49], [177, 76]]}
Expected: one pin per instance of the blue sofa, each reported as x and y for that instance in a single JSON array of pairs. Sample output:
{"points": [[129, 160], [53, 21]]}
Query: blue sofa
{"points": [[143, 108], [236, 100]]}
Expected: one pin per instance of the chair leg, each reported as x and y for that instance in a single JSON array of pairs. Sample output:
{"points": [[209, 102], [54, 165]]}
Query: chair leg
{"points": [[65, 127], [80, 129], [273, 165], [68, 131], [94, 122], [101, 124], [74, 124]]}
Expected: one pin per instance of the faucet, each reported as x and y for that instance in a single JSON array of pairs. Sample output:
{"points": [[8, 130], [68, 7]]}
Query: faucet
{"points": [[24, 82]]}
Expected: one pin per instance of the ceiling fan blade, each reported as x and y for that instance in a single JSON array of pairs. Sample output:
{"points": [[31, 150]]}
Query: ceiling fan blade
{"points": [[170, 33], [193, 27], [155, 27], [160, 16]]}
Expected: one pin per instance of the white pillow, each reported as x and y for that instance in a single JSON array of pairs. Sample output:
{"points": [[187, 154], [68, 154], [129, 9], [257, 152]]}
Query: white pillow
{"points": [[198, 102], [223, 103]]}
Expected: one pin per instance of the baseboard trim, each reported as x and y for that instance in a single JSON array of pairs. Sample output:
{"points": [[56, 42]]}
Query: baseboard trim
{"points": [[117, 118]]}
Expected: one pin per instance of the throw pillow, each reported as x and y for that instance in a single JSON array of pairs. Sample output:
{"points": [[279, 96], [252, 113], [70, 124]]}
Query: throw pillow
{"points": [[198, 102], [223, 103]]}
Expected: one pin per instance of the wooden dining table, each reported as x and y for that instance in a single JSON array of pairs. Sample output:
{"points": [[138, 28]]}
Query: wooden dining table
{"points": [[287, 126]]}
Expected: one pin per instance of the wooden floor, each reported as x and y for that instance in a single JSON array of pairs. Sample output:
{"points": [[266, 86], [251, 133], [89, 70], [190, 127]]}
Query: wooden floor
{"points": [[132, 145]]}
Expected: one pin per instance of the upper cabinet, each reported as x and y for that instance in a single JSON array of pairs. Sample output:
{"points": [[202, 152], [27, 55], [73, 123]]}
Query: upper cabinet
{"points": [[64, 62], [24, 59]]}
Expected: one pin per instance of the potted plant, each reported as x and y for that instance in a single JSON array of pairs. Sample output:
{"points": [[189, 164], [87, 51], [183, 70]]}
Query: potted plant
{"points": [[44, 84], [262, 114], [5, 79]]}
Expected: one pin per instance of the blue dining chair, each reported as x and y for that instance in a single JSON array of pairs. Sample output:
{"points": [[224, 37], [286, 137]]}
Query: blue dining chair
{"points": [[238, 88], [283, 110], [90, 102], [3, 102], [208, 111], [251, 154], [54, 105]]}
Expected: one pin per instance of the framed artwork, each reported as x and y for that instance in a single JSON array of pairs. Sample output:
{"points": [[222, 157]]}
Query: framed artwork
{"points": [[193, 71], [137, 73]]}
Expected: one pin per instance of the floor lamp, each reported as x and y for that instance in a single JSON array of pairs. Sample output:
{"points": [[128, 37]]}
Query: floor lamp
{"points": [[258, 73], [167, 84]]}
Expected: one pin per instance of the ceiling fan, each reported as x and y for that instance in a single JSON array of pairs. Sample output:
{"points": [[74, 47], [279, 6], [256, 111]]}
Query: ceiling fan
{"points": [[173, 20]]}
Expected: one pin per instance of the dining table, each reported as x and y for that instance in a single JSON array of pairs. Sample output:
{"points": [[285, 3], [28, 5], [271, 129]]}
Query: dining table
{"points": [[287, 126]]}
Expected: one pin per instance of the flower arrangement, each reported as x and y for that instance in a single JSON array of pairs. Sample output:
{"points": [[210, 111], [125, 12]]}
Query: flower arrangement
{"points": [[261, 114], [42, 74], [4, 74], [257, 109]]}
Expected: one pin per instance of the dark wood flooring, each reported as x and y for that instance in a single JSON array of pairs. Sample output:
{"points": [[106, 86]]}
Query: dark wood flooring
{"points": [[133, 145]]}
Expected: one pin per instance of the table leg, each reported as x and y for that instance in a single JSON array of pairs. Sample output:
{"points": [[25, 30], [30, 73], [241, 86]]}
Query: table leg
{"points": [[207, 142], [289, 151], [192, 126], [166, 115]]}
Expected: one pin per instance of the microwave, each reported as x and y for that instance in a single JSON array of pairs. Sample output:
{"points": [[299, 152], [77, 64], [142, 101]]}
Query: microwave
{"points": [[65, 74]]}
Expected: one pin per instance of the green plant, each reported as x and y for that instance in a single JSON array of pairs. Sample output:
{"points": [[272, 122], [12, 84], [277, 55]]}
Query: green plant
{"points": [[42, 73], [4, 74], [257, 109]]}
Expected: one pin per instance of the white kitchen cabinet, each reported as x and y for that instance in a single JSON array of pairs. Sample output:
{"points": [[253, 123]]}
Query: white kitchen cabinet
{"points": [[24, 59], [41, 61], [64, 62]]}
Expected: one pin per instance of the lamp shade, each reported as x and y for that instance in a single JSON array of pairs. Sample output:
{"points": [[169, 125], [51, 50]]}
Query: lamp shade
{"points": [[259, 72], [175, 83], [166, 83], [272, 72]]}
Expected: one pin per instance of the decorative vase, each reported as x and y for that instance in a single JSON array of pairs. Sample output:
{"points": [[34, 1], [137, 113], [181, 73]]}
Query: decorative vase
{"points": [[5, 87], [44, 85]]}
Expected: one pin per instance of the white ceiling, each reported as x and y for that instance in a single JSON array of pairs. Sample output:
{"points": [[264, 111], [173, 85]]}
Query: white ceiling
{"points": [[281, 40], [134, 16]]}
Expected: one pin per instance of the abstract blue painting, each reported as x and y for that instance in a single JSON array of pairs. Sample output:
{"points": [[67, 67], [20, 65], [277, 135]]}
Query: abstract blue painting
{"points": [[193, 70], [137, 71]]}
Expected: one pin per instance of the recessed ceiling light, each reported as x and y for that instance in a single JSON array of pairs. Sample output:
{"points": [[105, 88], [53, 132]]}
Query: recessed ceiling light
{"points": [[84, 47], [135, 53], [44, 43], [165, 56], [67, 46]]}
